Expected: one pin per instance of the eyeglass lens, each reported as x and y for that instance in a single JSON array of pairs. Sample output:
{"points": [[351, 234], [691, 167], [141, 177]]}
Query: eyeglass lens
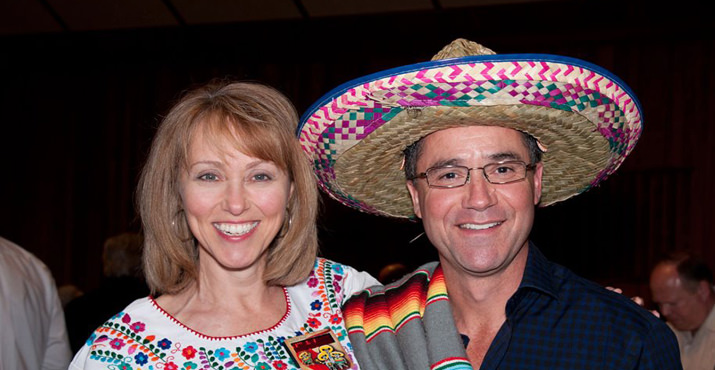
{"points": [[495, 173]]}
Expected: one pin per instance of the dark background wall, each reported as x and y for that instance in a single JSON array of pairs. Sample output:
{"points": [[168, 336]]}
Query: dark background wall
{"points": [[79, 110]]}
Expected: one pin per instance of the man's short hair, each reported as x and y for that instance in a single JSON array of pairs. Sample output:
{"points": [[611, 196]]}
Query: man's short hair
{"points": [[691, 268], [414, 150]]}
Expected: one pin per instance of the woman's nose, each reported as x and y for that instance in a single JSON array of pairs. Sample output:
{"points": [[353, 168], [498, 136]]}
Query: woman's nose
{"points": [[235, 198]]}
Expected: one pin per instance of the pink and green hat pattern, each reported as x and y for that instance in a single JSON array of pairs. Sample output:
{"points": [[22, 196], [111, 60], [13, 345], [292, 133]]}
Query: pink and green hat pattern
{"points": [[352, 111]]}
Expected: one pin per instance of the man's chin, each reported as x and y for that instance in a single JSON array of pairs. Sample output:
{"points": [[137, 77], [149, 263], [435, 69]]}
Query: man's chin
{"points": [[679, 326]]}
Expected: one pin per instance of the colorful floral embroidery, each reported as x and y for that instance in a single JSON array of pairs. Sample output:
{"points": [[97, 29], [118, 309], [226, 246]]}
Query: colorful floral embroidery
{"points": [[316, 305], [164, 344], [125, 342], [189, 352], [138, 327], [141, 358], [117, 343]]}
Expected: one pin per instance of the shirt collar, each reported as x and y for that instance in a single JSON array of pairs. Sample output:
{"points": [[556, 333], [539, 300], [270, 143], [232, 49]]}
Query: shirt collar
{"points": [[710, 321], [538, 273]]}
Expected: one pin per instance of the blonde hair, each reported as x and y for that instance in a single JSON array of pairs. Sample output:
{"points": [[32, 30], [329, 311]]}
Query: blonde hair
{"points": [[255, 119]]}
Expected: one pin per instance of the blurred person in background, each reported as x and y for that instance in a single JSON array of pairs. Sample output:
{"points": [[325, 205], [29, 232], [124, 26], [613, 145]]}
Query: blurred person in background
{"points": [[122, 282], [682, 286], [32, 325]]}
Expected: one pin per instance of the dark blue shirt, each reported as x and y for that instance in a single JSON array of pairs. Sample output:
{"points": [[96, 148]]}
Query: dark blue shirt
{"points": [[558, 320]]}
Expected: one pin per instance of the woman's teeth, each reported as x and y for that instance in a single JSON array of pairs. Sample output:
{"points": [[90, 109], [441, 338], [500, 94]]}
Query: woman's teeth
{"points": [[235, 229]]}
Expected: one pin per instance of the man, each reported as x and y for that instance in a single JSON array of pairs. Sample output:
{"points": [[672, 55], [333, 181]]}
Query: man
{"points": [[33, 335], [483, 139], [122, 283], [682, 286]]}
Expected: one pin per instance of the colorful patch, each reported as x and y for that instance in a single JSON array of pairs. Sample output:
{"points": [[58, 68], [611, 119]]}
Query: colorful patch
{"points": [[318, 350]]}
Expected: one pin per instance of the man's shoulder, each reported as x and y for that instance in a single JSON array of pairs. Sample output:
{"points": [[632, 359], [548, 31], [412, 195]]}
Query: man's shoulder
{"points": [[614, 308], [15, 260]]}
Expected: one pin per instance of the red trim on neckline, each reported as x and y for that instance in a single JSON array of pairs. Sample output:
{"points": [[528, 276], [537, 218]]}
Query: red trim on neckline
{"points": [[209, 337]]}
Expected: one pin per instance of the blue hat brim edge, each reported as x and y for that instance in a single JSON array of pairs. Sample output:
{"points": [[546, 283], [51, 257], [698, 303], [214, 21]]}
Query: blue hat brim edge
{"points": [[342, 88]]}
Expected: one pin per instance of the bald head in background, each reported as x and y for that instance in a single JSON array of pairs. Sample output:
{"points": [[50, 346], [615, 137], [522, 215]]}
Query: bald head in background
{"points": [[682, 287]]}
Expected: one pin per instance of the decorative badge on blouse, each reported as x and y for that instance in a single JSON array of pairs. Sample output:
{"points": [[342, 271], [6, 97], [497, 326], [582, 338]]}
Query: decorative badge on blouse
{"points": [[318, 350]]}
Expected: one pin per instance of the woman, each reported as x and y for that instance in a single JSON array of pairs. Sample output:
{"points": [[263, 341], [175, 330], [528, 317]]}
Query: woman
{"points": [[228, 205]]}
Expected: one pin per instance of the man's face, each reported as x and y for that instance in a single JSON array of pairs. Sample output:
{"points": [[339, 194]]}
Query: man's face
{"points": [[478, 228], [684, 308]]}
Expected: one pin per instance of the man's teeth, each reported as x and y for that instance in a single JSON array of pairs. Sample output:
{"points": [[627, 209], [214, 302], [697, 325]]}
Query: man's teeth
{"points": [[479, 226], [236, 229]]}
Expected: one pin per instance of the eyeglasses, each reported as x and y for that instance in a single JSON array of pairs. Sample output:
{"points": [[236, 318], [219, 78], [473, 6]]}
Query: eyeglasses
{"points": [[495, 173]]}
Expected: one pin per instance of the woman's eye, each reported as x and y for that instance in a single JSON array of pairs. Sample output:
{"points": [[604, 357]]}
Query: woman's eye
{"points": [[261, 177], [208, 177]]}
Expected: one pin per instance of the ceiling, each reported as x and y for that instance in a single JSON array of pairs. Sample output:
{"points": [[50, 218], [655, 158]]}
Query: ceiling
{"points": [[27, 17]]}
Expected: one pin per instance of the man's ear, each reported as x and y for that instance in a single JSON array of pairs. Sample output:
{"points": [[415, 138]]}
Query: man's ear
{"points": [[538, 175], [415, 198], [704, 289]]}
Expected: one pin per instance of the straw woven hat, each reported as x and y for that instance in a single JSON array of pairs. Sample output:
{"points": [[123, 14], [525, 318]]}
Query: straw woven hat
{"points": [[587, 120]]}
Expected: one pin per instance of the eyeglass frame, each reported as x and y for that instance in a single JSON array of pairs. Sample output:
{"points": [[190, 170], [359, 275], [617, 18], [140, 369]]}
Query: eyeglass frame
{"points": [[423, 175]]}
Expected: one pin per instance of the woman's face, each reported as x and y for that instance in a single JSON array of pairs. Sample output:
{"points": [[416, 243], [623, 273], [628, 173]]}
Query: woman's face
{"points": [[235, 204]]}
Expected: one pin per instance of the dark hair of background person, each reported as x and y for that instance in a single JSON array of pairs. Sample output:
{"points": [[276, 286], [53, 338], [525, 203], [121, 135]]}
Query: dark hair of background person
{"points": [[691, 268]]}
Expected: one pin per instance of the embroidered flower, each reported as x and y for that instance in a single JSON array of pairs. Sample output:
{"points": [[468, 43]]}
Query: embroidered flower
{"points": [[222, 353], [189, 353], [126, 319], [124, 366], [262, 366], [314, 323], [141, 358], [338, 269], [279, 365], [336, 318], [316, 305], [171, 366], [339, 332], [312, 282], [337, 287], [137, 326], [164, 344], [116, 343], [190, 366], [250, 347]]}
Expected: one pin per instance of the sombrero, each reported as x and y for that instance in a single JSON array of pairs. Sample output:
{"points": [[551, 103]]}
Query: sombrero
{"points": [[585, 118]]}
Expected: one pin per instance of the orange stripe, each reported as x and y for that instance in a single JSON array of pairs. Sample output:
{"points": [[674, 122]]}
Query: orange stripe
{"points": [[390, 310]]}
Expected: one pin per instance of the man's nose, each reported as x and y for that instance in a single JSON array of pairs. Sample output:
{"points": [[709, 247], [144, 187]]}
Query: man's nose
{"points": [[480, 193], [665, 310]]}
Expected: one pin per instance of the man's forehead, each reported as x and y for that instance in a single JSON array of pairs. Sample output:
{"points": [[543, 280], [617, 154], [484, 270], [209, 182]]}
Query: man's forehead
{"points": [[496, 133], [488, 142]]}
